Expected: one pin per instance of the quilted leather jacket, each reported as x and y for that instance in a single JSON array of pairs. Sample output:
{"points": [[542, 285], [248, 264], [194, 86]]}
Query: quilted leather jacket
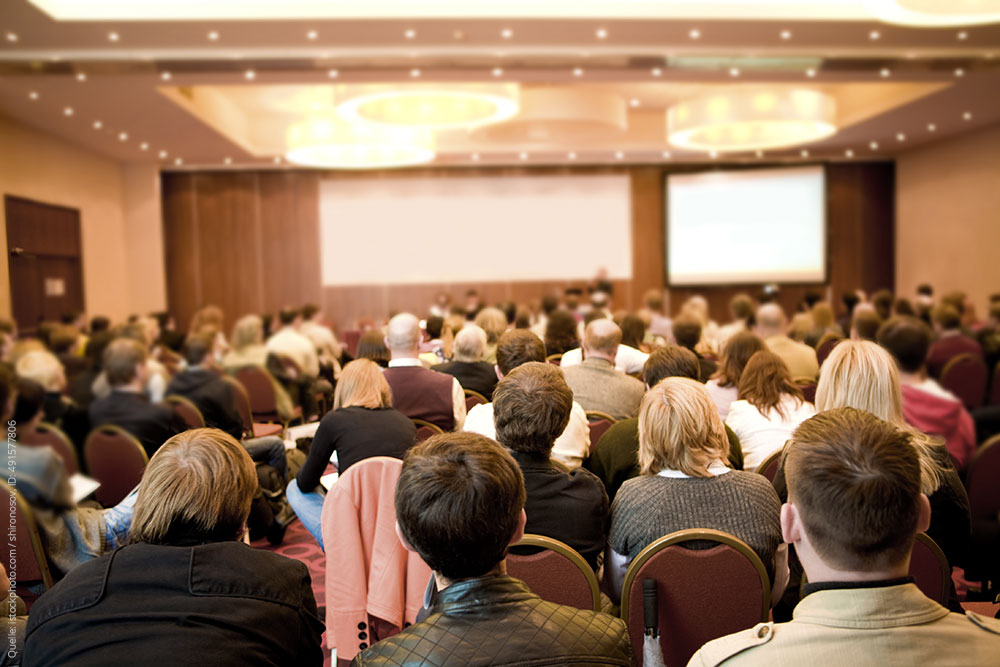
{"points": [[497, 620]]}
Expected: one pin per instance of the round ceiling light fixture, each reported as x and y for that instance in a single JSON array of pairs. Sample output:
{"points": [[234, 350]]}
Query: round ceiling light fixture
{"points": [[436, 106], [935, 13], [751, 119], [333, 144], [565, 116]]}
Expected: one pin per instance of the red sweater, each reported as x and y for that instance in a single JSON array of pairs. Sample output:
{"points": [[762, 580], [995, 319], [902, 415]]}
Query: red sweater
{"points": [[943, 417]]}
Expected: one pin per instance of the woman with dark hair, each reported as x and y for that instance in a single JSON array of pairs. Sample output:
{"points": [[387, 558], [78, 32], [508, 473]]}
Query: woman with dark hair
{"points": [[371, 345], [769, 408], [561, 332], [633, 330], [724, 385]]}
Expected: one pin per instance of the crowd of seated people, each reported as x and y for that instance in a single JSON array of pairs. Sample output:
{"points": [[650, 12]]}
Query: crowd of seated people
{"points": [[694, 407]]}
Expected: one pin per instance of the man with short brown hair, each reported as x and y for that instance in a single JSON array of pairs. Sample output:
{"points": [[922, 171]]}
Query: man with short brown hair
{"points": [[854, 508]]}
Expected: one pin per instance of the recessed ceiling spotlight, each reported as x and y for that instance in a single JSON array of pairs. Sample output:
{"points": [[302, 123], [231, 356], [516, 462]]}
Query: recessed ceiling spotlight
{"points": [[656, 71], [786, 34], [11, 37], [179, 162], [962, 36], [811, 73], [81, 76], [601, 33], [577, 71], [759, 153], [506, 33], [523, 155], [900, 136], [967, 115], [213, 35], [713, 154], [497, 71], [874, 34], [475, 157], [931, 127], [634, 102], [619, 155], [123, 136], [68, 111], [666, 155], [415, 73], [410, 33], [694, 33], [959, 71], [277, 159], [458, 35], [98, 124], [33, 95], [910, 55], [734, 71], [332, 73], [250, 75], [165, 76], [873, 145], [144, 146], [849, 153], [163, 155], [113, 36], [571, 155], [884, 72], [228, 160], [312, 34], [804, 153]]}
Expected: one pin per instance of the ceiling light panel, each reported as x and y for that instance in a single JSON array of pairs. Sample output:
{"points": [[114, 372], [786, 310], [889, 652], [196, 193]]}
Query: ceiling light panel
{"points": [[434, 106]]}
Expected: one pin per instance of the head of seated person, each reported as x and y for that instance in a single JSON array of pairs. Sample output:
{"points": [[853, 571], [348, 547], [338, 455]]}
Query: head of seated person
{"points": [[290, 317], [196, 489], [434, 326], [517, 347], [907, 339], [770, 321], [735, 355], [601, 339], [531, 407], [28, 405], [371, 345], [470, 344], [633, 330], [687, 331], [865, 323], [362, 384], [680, 429], [946, 317], [44, 368], [459, 505], [561, 332], [670, 361], [248, 332], [493, 321], [125, 364], [402, 336], [766, 382], [198, 350]]}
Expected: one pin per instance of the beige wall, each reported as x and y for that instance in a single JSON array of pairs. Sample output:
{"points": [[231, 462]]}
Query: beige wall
{"points": [[119, 217], [948, 217]]}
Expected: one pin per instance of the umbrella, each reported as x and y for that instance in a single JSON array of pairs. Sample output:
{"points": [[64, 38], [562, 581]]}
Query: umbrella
{"points": [[652, 654]]}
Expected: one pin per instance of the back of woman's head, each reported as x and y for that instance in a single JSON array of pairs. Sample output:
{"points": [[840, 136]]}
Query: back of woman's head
{"points": [[680, 429], [248, 330], [197, 487], [371, 345], [362, 384], [493, 321], [765, 381], [561, 332], [822, 314], [737, 352], [633, 330]]}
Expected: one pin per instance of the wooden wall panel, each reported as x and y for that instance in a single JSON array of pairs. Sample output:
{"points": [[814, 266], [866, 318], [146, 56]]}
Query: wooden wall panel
{"points": [[249, 241]]}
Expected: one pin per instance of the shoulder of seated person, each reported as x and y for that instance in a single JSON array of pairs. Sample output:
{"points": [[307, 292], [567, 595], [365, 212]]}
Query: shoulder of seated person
{"points": [[985, 623], [722, 649]]}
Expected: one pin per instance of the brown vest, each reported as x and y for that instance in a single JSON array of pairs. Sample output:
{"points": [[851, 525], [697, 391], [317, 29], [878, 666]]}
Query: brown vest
{"points": [[422, 394]]}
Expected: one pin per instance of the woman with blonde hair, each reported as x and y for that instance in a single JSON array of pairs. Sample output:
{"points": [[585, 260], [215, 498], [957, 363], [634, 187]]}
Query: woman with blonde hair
{"points": [[494, 322], [361, 424], [248, 350], [860, 374], [685, 483], [769, 408], [187, 584]]}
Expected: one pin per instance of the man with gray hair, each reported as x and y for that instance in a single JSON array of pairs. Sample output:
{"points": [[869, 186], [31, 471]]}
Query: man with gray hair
{"points": [[468, 366], [799, 357], [596, 384], [417, 392]]}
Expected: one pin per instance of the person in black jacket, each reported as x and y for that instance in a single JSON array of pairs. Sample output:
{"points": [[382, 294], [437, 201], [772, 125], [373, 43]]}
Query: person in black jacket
{"points": [[201, 384], [468, 365], [127, 406], [189, 591], [460, 504]]}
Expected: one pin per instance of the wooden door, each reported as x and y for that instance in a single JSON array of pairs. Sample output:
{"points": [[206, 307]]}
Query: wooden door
{"points": [[46, 271]]}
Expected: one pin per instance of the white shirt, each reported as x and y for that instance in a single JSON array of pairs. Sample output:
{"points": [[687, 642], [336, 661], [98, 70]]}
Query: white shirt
{"points": [[322, 338], [457, 393], [722, 396], [298, 348], [570, 448], [931, 386], [627, 359], [760, 435]]}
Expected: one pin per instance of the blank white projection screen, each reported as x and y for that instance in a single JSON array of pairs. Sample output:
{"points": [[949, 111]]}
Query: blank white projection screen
{"points": [[749, 226], [474, 229]]}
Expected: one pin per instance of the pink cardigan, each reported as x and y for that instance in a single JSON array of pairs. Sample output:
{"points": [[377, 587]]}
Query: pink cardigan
{"points": [[368, 572]]}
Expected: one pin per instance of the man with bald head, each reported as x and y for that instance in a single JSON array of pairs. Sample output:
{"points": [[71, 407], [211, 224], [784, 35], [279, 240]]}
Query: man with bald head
{"points": [[468, 365], [596, 384], [417, 392], [799, 357]]}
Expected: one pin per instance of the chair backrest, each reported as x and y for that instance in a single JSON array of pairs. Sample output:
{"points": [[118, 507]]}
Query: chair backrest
{"points": [[965, 375], [807, 386], [242, 403], [555, 572], [186, 408], [32, 564], [259, 386], [599, 422], [47, 434], [982, 481], [825, 347], [995, 386], [351, 339], [473, 398], [115, 459], [929, 569], [702, 594], [554, 359], [425, 429], [769, 466]]}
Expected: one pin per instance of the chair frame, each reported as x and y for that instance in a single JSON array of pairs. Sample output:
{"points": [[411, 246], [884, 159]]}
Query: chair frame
{"points": [[929, 542], [423, 422], [768, 460], [177, 399], [563, 549], [35, 537], [553, 358], [690, 535], [61, 435], [597, 415], [978, 454], [119, 431], [472, 393]]}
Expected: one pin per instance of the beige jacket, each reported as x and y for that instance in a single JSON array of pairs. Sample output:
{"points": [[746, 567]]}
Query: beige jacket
{"points": [[858, 627], [799, 357]]}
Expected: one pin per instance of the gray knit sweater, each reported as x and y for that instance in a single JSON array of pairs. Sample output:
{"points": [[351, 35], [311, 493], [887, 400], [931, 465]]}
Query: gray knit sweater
{"points": [[742, 504]]}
